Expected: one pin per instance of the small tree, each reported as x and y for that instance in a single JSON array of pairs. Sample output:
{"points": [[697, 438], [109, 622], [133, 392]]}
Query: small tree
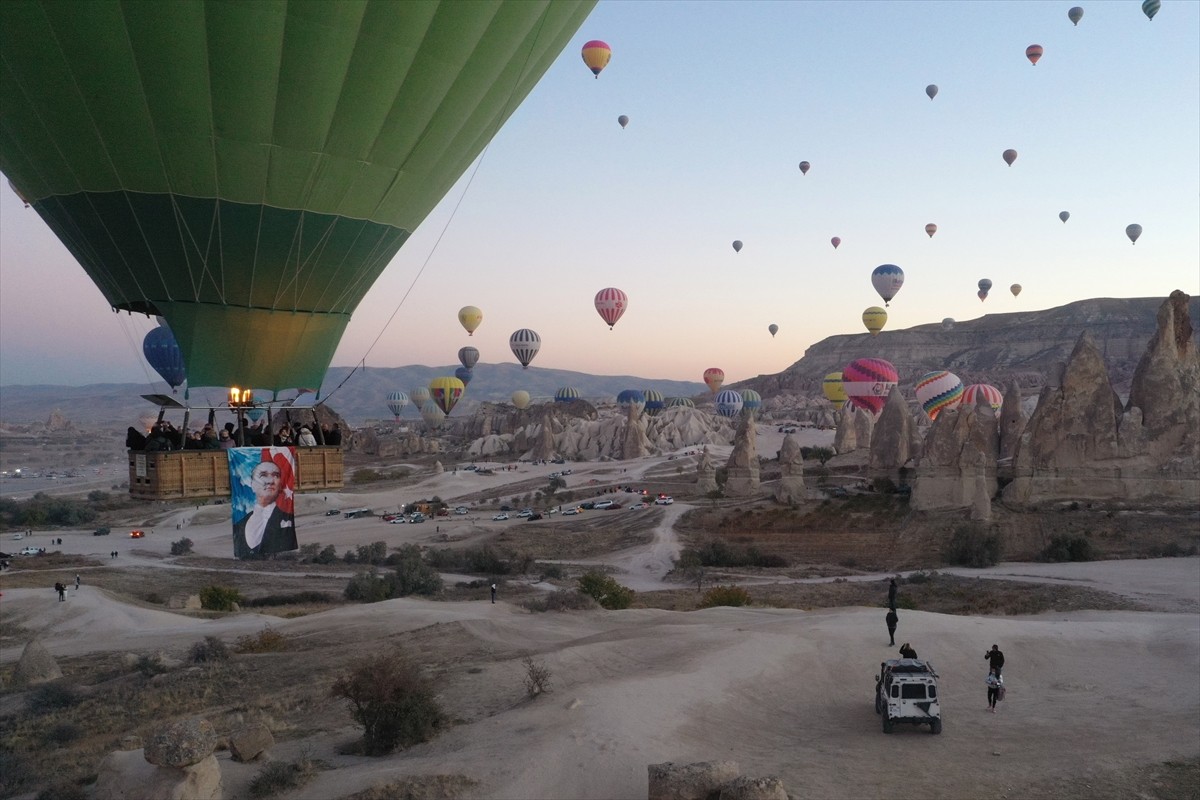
{"points": [[605, 590], [537, 676], [219, 598], [181, 547], [391, 699]]}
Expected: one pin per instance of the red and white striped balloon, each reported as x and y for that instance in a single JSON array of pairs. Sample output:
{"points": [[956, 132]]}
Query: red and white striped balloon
{"points": [[972, 393], [611, 304]]}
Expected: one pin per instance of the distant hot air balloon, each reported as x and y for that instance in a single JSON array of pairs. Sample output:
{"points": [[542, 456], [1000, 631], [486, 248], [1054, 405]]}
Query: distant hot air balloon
{"points": [[1150, 8], [432, 415], [751, 400], [931, 90], [1133, 232], [868, 382], [596, 55], [631, 400], [654, 402], [772, 329], [419, 395], [713, 378], [982, 295], [931, 229], [1033, 53], [835, 241], [737, 245], [396, 401], [805, 167], [1010, 156], [468, 357], [1064, 216], [728, 403], [464, 374], [1015, 289], [622, 121], [874, 318], [680, 402], [834, 391], [520, 399], [525, 344], [938, 392], [470, 317], [985, 285], [1075, 14], [887, 280], [163, 353], [610, 305], [566, 394], [446, 391], [948, 324], [976, 391]]}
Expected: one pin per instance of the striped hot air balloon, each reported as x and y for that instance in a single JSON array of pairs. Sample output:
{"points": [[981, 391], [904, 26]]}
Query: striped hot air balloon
{"points": [[887, 280], [611, 304], [446, 392], [525, 344], [680, 402], [868, 382], [939, 391], [985, 391], [751, 400], [566, 394], [654, 402], [396, 401], [728, 403]]}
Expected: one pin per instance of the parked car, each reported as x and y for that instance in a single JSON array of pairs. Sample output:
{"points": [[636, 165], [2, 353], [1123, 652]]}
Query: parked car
{"points": [[417, 517], [397, 521], [533, 516], [837, 491], [506, 508], [389, 517], [460, 510], [29, 551], [570, 512], [525, 512], [100, 532], [333, 512], [137, 534], [18, 536], [602, 504], [664, 500], [588, 506], [566, 472], [906, 691], [638, 506], [500, 517]]}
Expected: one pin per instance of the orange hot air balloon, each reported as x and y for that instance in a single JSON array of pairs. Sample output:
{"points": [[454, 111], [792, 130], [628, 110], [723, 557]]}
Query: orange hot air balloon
{"points": [[931, 229], [713, 378], [1033, 53], [1010, 156], [596, 55]]}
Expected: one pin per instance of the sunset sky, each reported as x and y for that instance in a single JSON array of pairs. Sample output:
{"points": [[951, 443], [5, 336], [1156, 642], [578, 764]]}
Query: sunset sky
{"points": [[725, 99]]}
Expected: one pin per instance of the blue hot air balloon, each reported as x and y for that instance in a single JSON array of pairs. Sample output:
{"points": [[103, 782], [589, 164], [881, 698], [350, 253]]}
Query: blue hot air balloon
{"points": [[464, 374], [631, 399], [162, 352], [654, 402], [566, 394], [887, 280], [729, 403], [396, 401]]}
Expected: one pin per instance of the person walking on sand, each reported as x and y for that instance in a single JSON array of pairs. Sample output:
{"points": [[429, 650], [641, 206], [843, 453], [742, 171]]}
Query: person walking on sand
{"points": [[995, 659], [891, 620], [61, 588], [892, 596], [995, 684], [493, 593]]}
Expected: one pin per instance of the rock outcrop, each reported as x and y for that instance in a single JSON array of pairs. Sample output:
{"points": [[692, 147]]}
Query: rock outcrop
{"points": [[892, 438], [864, 428], [250, 742], [671, 781], [1012, 421], [181, 744], [742, 473], [35, 666], [844, 439], [126, 775], [961, 445], [706, 475], [634, 443], [791, 489]]}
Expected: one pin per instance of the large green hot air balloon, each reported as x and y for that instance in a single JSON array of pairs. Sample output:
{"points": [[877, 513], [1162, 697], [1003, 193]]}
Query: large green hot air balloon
{"points": [[247, 170]]}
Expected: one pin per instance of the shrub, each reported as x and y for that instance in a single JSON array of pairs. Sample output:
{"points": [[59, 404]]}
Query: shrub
{"points": [[371, 587], [327, 555], [716, 553], [1068, 548], [308, 552], [562, 600], [414, 576], [919, 577], [50, 697], [268, 640], [970, 546], [181, 547], [150, 666], [374, 553], [295, 598], [551, 572], [62, 734], [391, 700], [734, 596], [605, 590], [219, 598], [476, 560], [281, 776], [537, 676], [210, 650], [62, 791]]}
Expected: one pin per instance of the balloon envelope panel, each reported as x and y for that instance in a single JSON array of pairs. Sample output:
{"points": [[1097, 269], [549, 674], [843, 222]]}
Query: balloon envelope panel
{"points": [[868, 382]]}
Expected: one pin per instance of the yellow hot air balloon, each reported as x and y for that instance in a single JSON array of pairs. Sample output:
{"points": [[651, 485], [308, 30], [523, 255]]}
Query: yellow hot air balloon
{"points": [[445, 392], [520, 399], [874, 318], [470, 317], [834, 391]]}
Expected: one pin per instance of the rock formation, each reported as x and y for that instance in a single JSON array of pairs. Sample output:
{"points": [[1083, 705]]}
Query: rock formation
{"points": [[671, 781], [892, 438], [126, 775], [250, 742], [960, 444], [791, 488], [864, 428], [742, 467], [844, 440], [634, 443], [181, 744], [1012, 421], [35, 666], [1166, 384], [706, 475]]}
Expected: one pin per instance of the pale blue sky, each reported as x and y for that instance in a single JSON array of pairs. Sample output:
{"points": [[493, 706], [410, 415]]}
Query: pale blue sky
{"points": [[725, 100]]}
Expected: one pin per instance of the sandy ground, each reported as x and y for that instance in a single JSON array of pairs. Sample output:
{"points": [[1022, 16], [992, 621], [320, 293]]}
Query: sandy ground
{"points": [[782, 692]]}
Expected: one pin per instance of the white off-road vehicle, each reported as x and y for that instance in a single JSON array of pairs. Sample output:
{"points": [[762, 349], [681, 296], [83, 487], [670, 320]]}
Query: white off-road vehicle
{"points": [[906, 691]]}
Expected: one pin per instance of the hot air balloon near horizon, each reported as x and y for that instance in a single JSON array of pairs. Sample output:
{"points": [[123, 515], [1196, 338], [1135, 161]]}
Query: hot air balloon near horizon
{"points": [[419, 395], [1075, 14], [772, 329], [520, 399], [163, 354], [468, 357], [1009, 156], [464, 374], [868, 382], [948, 324], [610, 305], [432, 414], [238, 170], [887, 280], [1133, 232], [805, 167], [938, 391], [446, 392], [834, 391], [1064, 216], [631, 401], [681, 402], [728, 403], [835, 241], [396, 401], [566, 394], [751, 401], [525, 344], [596, 54], [1033, 53], [931, 229], [985, 286], [470, 318], [874, 318], [713, 378], [654, 402], [737, 245], [931, 90], [1015, 289]]}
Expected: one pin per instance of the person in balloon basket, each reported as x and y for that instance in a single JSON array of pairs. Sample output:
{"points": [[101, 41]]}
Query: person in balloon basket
{"points": [[266, 529]]}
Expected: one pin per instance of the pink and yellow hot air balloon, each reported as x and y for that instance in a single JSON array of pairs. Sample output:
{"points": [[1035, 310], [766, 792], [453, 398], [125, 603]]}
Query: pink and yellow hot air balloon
{"points": [[1033, 53], [596, 55], [713, 378], [611, 304]]}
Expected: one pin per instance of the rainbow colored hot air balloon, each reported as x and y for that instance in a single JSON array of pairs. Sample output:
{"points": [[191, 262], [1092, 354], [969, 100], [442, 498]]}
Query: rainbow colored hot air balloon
{"points": [[566, 394], [938, 391], [470, 318], [835, 391], [520, 399], [247, 170], [874, 318], [713, 378], [1033, 53], [728, 403], [596, 55], [445, 392], [985, 391], [887, 280], [610, 305], [868, 382]]}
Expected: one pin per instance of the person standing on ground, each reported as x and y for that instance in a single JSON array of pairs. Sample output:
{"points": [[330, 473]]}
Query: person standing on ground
{"points": [[77, 581], [995, 659], [892, 596], [994, 684], [891, 620], [906, 651], [493, 593], [61, 588]]}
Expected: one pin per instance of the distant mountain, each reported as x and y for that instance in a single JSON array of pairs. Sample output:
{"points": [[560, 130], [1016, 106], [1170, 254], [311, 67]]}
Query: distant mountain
{"points": [[1027, 346], [361, 398]]}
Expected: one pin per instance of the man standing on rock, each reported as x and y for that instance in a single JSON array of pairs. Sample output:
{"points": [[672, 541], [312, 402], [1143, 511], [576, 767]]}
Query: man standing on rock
{"points": [[891, 620]]}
